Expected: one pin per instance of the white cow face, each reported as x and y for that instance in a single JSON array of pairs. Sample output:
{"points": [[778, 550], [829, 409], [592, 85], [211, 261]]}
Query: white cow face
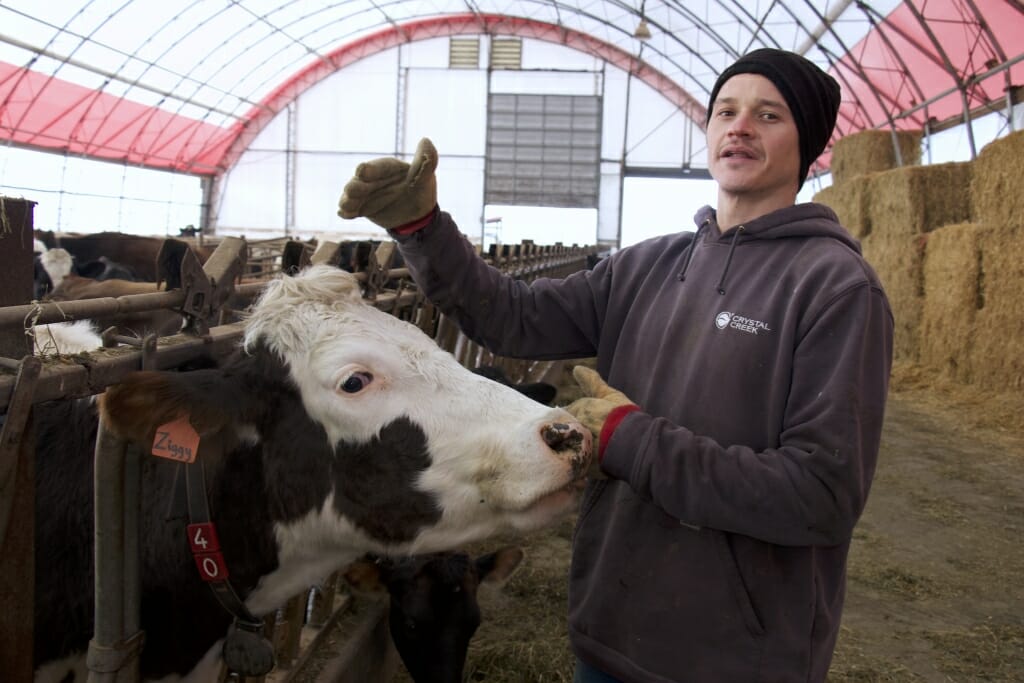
{"points": [[495, 458]]}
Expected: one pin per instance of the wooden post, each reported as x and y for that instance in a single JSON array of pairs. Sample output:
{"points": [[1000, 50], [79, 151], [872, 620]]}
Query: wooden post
{"points": [[17, 546], [16, 235]]}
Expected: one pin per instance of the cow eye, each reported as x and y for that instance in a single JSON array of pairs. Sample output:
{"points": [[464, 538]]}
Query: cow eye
{"points": [[355, 382]]}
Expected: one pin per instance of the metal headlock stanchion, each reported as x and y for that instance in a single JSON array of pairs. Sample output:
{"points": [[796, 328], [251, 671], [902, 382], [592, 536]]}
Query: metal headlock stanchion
{"points": [[113, 655]]}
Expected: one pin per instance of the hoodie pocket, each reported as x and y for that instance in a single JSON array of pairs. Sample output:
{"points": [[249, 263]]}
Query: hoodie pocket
{"points": [[737, 587]]}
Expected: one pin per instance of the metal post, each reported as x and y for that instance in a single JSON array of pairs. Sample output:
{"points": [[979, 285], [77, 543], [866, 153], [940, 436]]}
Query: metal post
{"points": [[117, 640], [17, 528], [17, 451], [16, 237]]}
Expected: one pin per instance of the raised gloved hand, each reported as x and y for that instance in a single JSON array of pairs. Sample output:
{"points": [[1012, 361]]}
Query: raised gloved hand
{"points": [[391, 192], [599, 403]]}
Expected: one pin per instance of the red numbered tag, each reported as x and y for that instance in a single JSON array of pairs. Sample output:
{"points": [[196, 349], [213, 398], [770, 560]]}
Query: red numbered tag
{"points": [[211, 566], [205, 545], [177, 440], [202, 538]]}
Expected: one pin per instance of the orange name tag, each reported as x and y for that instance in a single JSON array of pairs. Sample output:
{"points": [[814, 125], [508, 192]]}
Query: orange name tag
{"points": [[176, 440]]}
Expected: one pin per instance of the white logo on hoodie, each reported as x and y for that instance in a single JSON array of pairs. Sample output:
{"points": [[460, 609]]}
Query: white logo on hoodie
{"points": [[741, 323]]}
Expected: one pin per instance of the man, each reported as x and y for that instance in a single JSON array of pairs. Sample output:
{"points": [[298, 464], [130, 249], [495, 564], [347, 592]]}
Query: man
{"points": [[750, 362]]}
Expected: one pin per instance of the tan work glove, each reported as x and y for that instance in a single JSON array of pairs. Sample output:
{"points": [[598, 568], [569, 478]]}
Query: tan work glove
{"points": [[391, 192], [592, 410]]}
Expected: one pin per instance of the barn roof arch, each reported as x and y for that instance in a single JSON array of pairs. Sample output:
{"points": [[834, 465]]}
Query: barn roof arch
{"points": [[183, 87]]}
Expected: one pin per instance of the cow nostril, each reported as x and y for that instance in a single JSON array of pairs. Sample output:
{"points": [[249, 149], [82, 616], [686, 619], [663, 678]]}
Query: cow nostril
{"points": [[559, 436]]}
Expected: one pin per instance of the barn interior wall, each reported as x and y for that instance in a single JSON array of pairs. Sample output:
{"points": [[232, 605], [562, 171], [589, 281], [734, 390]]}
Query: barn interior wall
{"points": [[73, 194], [383, 105]]}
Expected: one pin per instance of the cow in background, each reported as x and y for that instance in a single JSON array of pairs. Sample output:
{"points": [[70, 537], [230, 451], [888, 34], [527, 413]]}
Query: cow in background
{"points": [[542, 392], [59, 278], [433, 611], [336, 430], [137, 253], [65, 339], [54, 265]]}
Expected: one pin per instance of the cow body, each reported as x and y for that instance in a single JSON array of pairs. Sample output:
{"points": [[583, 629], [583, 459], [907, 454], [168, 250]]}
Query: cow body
{"points": [[67, 338], [58, 278], [138, 253], [138, 323], [336, 431]]}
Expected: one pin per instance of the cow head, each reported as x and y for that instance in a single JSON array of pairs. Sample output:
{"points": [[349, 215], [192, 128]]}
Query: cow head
{"points": [[433, 610], [371, 437]]}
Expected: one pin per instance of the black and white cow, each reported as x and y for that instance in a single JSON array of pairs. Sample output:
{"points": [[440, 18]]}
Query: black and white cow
{"points": [[336, 430]]}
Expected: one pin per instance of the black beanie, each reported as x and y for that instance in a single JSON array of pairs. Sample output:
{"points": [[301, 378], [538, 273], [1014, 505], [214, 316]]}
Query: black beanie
{"points": [[812, 95]]}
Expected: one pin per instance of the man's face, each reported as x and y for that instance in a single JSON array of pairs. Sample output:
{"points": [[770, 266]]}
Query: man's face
{"points": [[753, 143]]}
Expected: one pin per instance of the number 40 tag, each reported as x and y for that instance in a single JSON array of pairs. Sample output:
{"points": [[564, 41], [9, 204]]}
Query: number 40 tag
{"points": [[205, 545]]}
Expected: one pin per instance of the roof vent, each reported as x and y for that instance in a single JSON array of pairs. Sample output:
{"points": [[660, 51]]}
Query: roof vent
{"points": [[506, 53], [464, 53]]}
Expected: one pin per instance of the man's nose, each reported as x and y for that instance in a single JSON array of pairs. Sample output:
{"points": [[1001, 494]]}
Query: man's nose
{"points": [[741, 125]]}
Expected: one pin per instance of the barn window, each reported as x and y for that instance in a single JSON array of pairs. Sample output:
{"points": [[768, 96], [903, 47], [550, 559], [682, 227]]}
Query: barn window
{"points": [[543, 150]]}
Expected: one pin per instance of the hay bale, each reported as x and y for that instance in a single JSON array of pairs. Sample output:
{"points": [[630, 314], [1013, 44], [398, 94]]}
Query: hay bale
{"points": [[903, 205], [898, 261], [971, 329], [870, 151], [996, 186], [850, 202], [915, 200], [996, 352], [952, 272]]}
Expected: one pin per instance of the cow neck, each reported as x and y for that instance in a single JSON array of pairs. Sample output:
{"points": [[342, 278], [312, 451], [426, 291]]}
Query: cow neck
{"points": [[246, 651]]}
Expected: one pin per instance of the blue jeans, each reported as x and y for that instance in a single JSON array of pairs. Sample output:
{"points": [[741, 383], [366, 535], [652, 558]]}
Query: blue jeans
{"points": [[585, 673]]}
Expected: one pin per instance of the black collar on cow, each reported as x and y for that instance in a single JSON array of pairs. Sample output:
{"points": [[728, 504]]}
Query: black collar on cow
{"points": [[246, 651]]}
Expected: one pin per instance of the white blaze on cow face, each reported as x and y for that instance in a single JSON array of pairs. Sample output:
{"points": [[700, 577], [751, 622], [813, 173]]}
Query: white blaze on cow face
{"points": [[58, 264], [359, 369]]}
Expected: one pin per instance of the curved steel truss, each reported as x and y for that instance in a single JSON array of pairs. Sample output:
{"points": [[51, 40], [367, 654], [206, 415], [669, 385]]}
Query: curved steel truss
{"points": [[187, 87]]}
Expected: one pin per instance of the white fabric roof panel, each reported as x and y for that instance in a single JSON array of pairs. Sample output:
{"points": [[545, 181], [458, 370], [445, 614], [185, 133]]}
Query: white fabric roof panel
{"points": [[185, 86]]}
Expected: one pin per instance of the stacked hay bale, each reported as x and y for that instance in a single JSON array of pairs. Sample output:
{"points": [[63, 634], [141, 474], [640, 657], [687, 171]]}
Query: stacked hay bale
{"points": [[992, 249], [874, 150], [947, 241], [905, 206], [891, 209]]}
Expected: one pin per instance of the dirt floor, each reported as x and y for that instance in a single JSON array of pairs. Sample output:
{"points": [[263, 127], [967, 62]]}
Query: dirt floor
{"points": [[936, 573]]}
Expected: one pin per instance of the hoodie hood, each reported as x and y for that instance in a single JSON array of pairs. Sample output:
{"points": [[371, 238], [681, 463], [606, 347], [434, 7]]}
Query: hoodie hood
{"points": [[799, 221]]}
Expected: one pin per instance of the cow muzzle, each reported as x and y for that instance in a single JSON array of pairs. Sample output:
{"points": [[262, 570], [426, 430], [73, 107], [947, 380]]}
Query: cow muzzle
{"points": [[570, 440]]}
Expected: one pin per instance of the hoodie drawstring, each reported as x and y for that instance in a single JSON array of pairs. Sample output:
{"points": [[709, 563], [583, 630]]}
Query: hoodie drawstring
{"points": [[689, 251], [728, 259]]}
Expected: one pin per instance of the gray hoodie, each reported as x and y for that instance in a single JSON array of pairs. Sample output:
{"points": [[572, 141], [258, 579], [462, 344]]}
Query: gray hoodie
{"points": [[760, 359]]}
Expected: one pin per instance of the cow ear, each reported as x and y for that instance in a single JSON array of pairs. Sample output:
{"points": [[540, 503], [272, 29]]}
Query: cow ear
{"points": [[143, 401], [365, 576], [495, 569], [541, 392]]}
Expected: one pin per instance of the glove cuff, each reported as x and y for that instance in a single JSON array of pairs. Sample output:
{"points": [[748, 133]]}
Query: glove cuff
{"points": [[617, 414], [416, 225]]}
